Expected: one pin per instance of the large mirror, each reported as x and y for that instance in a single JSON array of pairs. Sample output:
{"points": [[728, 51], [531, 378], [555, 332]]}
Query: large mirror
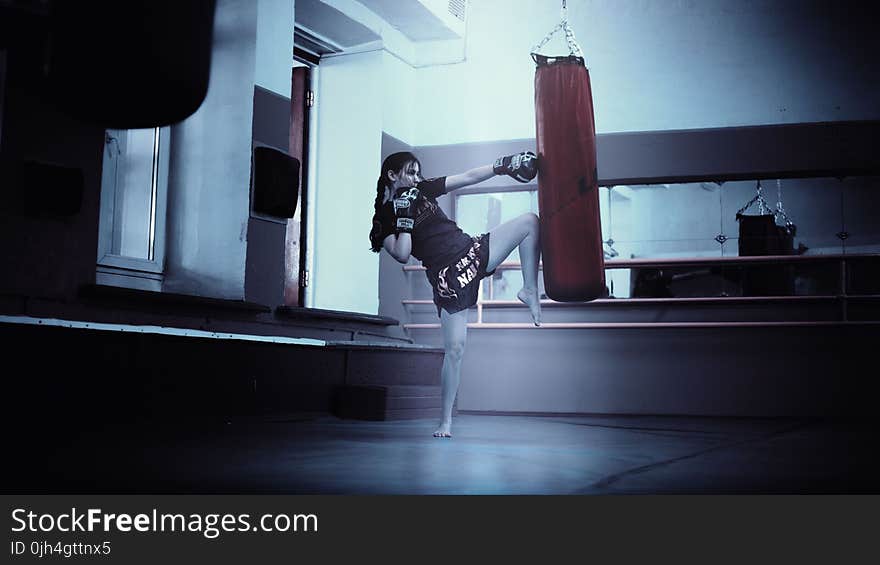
{"points": [[822, 218]]}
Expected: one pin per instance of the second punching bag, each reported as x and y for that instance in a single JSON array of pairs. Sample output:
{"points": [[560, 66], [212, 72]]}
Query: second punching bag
{"points": [[568, 189]]}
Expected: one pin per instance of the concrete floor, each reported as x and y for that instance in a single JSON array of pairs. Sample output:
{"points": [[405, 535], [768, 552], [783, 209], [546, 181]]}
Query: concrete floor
{"points": [[489, 454]]}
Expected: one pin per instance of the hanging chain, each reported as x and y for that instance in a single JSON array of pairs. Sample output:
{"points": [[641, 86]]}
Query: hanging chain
{"points": [[762, 209], [759, 198], [780, 209], [573, 47]]}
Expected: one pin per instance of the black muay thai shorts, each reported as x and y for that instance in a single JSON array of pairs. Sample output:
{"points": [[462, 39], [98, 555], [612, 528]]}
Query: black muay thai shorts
{"points": [[457, 285]]}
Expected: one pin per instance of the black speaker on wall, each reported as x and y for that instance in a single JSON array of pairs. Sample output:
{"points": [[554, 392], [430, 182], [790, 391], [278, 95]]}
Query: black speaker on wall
{"points": [[276, 182]]}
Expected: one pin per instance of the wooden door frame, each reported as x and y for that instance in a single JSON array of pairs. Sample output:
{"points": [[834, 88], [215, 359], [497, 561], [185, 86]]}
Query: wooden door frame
{"points": [[298, 147]]}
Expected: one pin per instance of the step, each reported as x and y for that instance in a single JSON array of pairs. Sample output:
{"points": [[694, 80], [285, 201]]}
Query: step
{"points": [[406, 402], [409, 391], [398, 365], [414, 414], [376, 402]]}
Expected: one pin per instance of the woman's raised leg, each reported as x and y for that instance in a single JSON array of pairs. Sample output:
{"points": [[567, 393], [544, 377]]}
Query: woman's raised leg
{"points": [[524, 232], [454, 338]]}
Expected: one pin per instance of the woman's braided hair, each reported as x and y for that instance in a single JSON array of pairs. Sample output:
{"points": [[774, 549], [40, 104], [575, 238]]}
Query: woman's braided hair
{"points": [[394, 162]]}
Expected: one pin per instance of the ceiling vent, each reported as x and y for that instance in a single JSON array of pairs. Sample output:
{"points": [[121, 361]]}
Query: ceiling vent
{"points": [[422, 20], [458, 8]]}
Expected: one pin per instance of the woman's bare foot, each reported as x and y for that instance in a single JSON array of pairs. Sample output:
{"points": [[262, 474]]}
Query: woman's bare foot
{"points": [[530, 298], [445, 430]]}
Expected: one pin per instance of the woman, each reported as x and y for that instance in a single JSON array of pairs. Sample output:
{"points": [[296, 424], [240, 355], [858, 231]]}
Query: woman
{"points": [[408, 221]]}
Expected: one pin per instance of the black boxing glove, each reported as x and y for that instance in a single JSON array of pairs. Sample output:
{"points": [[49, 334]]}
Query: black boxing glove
{"points": [[404, 209], [522, 166]]}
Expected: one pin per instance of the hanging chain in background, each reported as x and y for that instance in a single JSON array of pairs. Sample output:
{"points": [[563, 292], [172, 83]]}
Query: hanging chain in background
{"points": [[779, 207], [761, 208], [573, 47]]}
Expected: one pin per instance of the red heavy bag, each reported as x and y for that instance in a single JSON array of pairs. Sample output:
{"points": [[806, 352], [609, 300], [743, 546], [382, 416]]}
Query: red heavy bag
{"points": [[568, 189]]}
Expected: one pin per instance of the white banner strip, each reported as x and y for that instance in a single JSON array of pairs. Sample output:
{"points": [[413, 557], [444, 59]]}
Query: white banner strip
{"points": [[158, 330]]}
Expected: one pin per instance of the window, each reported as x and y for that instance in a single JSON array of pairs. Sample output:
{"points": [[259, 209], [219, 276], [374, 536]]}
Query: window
{"points": [[134, 188]]}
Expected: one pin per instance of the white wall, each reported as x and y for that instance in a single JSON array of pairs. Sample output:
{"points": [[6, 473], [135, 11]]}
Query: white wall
{"points": [[209, 183], [658, 65], [275, 45], [399, 102], [208, 197], [349, 138]]}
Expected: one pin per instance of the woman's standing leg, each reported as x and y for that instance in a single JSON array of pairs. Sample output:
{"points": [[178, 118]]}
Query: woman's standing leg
{"points": [[454, 337], [523, 231]]}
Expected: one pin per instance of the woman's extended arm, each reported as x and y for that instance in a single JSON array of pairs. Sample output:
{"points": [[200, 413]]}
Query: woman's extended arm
{"points": [[470, 177], [398, 246], [521, 166]]}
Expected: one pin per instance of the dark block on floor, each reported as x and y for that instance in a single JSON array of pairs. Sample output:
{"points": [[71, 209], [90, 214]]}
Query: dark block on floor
{"points": [[400, 366], [377, 402], [359, 402]]}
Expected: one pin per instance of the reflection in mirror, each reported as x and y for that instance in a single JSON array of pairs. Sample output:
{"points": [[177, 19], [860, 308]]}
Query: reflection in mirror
{"points": [[812, 216], [481, 213], [817, 217]]}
